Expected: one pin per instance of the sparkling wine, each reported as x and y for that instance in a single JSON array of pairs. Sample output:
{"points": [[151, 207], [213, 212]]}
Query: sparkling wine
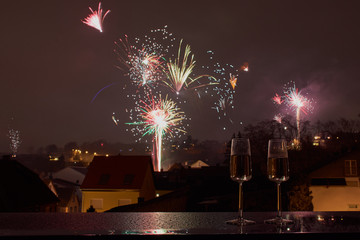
{"points": [[240, 168], [278, 169]]}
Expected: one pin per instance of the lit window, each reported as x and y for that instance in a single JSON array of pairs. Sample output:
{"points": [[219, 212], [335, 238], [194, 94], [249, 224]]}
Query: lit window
{"points": [[353, 206], [350, 168]]}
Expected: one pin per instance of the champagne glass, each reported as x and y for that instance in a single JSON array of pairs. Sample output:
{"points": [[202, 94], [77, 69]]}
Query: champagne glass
{"points": [[278, 172], [240, 171]]}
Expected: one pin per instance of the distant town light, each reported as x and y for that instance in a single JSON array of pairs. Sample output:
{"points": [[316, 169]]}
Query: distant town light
{"points": [[52, 158]]}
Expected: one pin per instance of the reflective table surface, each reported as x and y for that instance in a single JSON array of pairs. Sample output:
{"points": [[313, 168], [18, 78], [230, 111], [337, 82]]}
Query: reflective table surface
{"points": [[183, 225]]}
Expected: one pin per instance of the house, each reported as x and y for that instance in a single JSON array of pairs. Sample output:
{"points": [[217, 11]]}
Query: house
{"points": [[190, 190], [196, 164], [71, 178], [22, 190], [71, 174], [60, 183], [335, 187], [68, 193], [117, 180], [69, 201]]}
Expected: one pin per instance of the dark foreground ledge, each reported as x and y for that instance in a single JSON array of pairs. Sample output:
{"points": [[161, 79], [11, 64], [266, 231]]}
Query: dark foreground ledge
{"points": [[177, 225]]}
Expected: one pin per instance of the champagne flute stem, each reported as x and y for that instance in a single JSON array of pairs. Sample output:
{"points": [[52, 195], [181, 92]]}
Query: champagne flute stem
{"points": [[240, 202], [278, 200]]}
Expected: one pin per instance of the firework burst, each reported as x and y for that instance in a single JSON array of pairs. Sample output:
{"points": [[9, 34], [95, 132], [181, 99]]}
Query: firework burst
{"points": [[179, 71], [224, 90], [277, 99], [224, 104], [96, 18], [233, 81], [143, 59], [245, 67], [144, 67], [295, 101], [159, 117], [278, 117]]}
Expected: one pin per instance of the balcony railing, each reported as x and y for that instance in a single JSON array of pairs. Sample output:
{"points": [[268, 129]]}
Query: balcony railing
{"points": [[180, 225]]}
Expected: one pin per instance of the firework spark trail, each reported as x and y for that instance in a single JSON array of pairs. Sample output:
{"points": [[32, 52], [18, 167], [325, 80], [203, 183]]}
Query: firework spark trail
{"points": [[159, 117], [96, 18], [93, 99], [179, 72], [298, 102], [15, 141]]}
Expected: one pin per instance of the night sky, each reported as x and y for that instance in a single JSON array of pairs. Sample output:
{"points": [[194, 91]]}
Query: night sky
{"points": [[52, 64]]}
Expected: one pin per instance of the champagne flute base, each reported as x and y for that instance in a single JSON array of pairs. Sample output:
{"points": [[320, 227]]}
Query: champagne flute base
{"points": [[240, 222], [279, 221]]}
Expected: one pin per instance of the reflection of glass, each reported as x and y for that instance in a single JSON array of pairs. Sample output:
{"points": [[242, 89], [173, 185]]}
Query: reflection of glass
{"points": [[240, 171], [278, 172]]}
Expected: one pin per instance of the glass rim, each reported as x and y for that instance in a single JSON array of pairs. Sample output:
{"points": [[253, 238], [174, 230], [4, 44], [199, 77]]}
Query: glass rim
{"points": [[277, 140], [245, 138]]}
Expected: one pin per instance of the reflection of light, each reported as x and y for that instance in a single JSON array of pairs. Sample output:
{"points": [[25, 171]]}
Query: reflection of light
{"points": [[151, 232], [160, 231]]}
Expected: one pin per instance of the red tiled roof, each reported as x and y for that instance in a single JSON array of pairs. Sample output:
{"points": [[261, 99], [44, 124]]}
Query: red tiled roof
{"points": [[117, 172]]}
